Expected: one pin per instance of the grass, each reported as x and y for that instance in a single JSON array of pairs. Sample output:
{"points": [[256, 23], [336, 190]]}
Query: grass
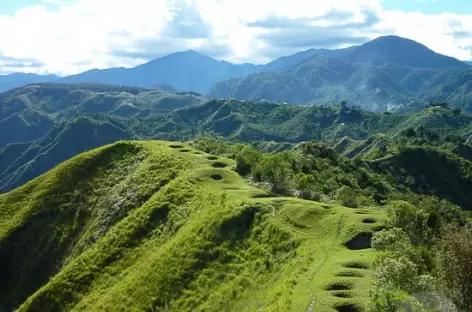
{"points": [[160, 226]]}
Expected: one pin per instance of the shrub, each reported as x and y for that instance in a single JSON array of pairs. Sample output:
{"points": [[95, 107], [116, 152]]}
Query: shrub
{"points": [[347, 196]]}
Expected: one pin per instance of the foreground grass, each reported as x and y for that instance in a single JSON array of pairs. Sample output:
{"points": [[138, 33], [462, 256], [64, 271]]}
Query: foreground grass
{"points": [[159, 226]]}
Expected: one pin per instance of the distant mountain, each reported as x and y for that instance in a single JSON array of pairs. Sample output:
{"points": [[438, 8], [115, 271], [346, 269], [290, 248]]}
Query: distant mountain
{"points": [[164, 87], [403, 52], [291, 60], [274, 87], [377, 76], [15, 80], [188, 70]]}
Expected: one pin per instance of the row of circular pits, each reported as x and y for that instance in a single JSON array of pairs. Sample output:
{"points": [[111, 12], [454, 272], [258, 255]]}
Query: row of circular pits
{"points": [[216, 164], [354, 269], [361, 241], [342, 289]]}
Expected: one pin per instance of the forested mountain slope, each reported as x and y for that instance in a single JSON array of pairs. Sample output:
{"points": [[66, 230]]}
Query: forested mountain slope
{"points": [[388, 73]]}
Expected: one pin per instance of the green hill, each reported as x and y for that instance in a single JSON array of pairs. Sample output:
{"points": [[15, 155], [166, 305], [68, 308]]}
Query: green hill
{"points": [[249, 121], [28, 113], [164, 227]]}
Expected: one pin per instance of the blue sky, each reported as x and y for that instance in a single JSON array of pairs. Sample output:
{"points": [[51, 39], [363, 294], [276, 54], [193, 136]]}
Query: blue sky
{"points": [[11, 6], [70, 36], [424, 6], [430, 6]]}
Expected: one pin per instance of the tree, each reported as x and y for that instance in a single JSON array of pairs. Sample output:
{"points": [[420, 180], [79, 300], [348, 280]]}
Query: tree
{"points": [[391, 240], [454, 260], [410, 133], [247, 159], [276, 170], [347, 196], [411, 219], [457, 111]]}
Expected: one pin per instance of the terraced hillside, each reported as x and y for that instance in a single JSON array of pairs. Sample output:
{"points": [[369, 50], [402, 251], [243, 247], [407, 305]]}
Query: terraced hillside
{"points": [[160, 226]]}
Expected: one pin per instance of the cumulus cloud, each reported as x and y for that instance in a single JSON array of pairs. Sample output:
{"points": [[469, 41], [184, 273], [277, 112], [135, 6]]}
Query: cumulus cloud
{"points": [[69, 36], [10, 65]]}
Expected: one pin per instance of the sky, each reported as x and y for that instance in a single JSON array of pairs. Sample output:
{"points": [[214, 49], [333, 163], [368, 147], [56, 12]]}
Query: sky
{"points": [[70, 36]]}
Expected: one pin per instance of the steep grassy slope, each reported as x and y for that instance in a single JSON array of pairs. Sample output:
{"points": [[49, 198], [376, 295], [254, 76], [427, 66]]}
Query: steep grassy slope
{"points": [[159, 226]]}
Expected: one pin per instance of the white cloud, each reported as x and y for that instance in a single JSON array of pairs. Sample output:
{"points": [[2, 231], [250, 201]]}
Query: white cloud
{"points": [[73, 36]]}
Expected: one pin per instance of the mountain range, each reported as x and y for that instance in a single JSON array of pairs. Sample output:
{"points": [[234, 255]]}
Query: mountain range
{"points": [[16, 80], [42, 125], [388, 73]]}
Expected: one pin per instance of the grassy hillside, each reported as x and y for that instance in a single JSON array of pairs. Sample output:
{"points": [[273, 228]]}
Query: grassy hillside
{"points": [[163, 227]]}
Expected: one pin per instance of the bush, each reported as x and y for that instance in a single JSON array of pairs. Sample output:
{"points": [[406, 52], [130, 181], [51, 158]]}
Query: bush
{"points": [[347, 196], [309, 194], [455, 267], [274, 169]]}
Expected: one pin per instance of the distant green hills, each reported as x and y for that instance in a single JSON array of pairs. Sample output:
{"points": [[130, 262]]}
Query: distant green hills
{"points": [[22, 162], [45, 124], [40, 124], [28, 113]]}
